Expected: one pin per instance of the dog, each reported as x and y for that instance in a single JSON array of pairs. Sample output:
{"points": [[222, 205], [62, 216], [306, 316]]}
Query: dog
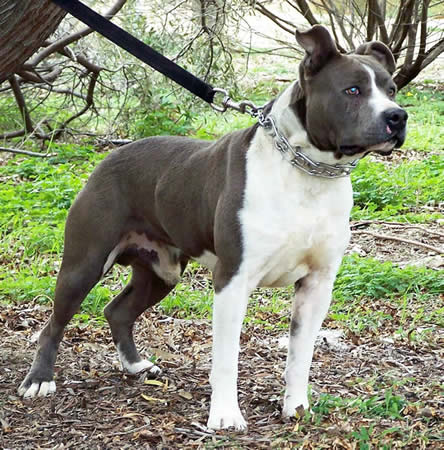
{"points": [[265, 206]]}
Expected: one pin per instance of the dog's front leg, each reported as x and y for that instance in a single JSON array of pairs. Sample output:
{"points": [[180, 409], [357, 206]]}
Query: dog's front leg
{"points": [[310, 305], [229, 308]]}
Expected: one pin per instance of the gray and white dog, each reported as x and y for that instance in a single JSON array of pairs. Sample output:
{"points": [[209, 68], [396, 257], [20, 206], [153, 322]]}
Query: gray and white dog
{"points": [[238, 205]]}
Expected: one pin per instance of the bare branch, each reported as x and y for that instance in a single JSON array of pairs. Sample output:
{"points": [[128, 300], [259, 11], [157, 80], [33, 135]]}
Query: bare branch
{"points": [[402, 26], [25, 152], [13, 134], [399, 239], [306, 12], [379, 17], [371, 20], [89, 102], [21, 103], [282, 23], [62, 43]]}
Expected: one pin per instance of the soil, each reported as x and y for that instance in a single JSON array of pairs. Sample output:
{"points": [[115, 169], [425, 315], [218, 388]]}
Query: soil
{"points": [[97, 406]]}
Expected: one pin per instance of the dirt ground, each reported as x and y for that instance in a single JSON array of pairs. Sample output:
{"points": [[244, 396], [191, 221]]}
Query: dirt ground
{"points": [[96, 406]]}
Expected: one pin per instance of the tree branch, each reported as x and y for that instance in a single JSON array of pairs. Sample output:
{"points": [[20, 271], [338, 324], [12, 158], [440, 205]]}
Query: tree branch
{"points": [[25, 152], [306, 12], [380, 19], [407, 241], [401, 27], [21, 103], [89, 102], [61, 43], [282, 23]]}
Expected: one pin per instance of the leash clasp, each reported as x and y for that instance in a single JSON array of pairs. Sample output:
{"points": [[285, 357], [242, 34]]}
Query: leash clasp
{"points": [[244, 107]]}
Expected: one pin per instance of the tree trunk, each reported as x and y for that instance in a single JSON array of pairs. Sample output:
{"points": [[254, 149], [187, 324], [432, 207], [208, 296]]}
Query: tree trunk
{"points": [[24, 26]]}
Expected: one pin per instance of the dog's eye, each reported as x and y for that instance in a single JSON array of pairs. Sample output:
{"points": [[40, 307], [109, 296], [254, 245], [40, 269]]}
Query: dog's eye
{"points": [[392, 92], [354, 90]]}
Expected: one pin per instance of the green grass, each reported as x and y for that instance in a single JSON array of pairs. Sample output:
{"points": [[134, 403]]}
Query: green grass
{"points": [[426, 118], [385, 405], [370, 296], [401, 191]]}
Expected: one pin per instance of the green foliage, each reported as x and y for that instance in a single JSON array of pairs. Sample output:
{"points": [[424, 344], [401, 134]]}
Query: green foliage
{"points": [[163, 118], [386, 191], [369, 294], [385, 406], [426, 121], [35, 195], [366, 277]]}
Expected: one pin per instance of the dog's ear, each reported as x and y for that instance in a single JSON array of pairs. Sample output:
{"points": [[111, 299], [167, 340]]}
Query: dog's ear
{"points": [[319, 48], [380, 52]]}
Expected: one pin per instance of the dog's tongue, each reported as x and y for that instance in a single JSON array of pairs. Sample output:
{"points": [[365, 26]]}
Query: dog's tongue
{"points": [[389, 130]]}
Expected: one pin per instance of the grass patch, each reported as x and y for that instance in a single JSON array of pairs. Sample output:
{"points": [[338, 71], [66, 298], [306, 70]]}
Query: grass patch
{"points": [[387, 192], [426, 122], [370, 296], [384, 405]]}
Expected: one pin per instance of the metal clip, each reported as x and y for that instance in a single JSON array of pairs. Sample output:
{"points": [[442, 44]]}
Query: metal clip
{"points": [[220, 108], [244, 107]]}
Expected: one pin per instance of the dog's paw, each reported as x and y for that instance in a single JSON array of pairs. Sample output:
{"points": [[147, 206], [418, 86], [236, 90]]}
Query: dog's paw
{"points": [[294, 406], [36, 389], [142, 366], [225, 418]]}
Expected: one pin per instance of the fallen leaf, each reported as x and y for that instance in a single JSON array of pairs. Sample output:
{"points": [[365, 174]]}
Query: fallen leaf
{"points": [[153, 382], [186, 395], [152, 399]]}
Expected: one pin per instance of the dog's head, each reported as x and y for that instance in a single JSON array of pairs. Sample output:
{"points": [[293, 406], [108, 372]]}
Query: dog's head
{"points": [[347, 102]]}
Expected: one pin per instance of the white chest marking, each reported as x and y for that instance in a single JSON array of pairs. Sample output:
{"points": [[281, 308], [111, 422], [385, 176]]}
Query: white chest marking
{"points": [[292, 223]]}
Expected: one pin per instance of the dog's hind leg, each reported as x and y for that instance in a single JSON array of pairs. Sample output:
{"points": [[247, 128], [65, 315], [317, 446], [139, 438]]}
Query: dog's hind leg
{"points": [[73, 284], [144, 290]]}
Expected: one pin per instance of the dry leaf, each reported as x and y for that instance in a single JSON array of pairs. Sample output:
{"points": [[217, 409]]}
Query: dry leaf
{"points": [[153, 382], [152, 399], [186, 395]]}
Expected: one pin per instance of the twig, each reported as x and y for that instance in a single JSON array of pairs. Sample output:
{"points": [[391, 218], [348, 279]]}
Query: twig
{"points": [[62, 43], [133, 430], [407, 241], [26, 152], [396, 224]]}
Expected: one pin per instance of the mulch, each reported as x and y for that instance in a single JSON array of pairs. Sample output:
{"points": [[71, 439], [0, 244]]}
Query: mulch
{"points": [[97, 406]]}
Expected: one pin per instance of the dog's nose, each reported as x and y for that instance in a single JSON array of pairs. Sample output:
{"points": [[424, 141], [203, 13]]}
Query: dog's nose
{"points": [[396, 118]]}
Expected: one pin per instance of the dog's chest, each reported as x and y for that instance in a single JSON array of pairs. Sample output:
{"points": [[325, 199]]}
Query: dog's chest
{"points": [[292, 223]]}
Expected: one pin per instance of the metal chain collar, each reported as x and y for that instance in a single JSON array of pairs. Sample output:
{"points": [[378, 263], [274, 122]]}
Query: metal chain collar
{"points": [[293, 155], [298, 159]]}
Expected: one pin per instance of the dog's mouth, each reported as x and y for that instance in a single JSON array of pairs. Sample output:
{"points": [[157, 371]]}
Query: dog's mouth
{"points": [[383, 148]]}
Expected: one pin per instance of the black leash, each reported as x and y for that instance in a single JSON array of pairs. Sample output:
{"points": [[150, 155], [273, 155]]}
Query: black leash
{"points": [[140, 50]]}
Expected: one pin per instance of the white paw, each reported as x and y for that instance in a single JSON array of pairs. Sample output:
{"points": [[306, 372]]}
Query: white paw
{"points": [[292, 403], [226, 418], [140, 366], [37, 389]]}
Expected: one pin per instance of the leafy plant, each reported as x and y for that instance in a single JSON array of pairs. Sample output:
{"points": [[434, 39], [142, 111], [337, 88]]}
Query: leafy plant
{"points": [[383, 192]]}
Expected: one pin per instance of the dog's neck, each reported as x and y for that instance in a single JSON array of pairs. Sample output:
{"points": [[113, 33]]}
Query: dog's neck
{"points": [[287, 111]]}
